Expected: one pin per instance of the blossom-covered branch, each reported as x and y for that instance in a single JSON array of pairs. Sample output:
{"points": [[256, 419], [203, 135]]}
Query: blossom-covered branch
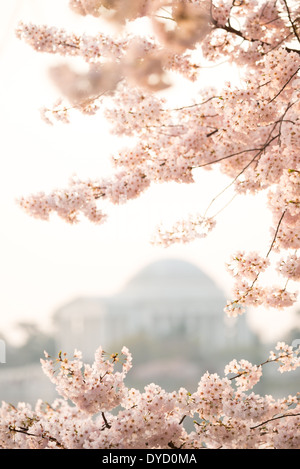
{"points": [[105, 414], [250, 132]]}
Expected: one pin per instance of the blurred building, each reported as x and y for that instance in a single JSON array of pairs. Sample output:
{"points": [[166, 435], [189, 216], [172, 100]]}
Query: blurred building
{"points": [[169, 298], [171, 317]]}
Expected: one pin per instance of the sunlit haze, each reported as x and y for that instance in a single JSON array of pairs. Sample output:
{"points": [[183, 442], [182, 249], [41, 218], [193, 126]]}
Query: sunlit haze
{"points": [[45, 264]]}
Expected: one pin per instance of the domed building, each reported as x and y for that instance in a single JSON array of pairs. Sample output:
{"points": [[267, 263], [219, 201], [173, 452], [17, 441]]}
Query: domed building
{"points": [[169, 314]]}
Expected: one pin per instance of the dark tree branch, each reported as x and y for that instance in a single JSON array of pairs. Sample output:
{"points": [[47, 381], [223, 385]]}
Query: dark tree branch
{"points": [[276, 233], [291, 21], [291, 77], [25, 431], [107, 425], [236, 32], [272, 420]]}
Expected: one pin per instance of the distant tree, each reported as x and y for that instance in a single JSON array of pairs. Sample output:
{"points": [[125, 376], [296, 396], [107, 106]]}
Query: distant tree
{"points": [[35, 342]]}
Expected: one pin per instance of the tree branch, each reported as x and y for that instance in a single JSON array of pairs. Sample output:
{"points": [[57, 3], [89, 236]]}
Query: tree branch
{"points": [[107, 425], [274, 97], [236, 32], [262, 364], [24, 431], [274, 418], [291, 21], [276, 233]]}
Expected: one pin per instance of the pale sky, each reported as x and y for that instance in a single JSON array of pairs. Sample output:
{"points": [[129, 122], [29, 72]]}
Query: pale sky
{"points": [[46, 264]]}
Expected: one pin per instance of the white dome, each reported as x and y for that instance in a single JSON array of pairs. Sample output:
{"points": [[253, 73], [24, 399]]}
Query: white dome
{"points": [[172, 278]]}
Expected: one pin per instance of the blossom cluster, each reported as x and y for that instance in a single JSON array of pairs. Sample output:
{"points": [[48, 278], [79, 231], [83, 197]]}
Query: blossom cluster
{"points": [[184, 231], [250, 131], [95, 388], [98, 411], [81, 197], [287, 356], [290, 267], [247, 374], [246, 269], [247, 265]]}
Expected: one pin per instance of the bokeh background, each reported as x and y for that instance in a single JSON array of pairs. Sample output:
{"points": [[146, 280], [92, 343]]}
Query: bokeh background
{"points": [[50, 271]]}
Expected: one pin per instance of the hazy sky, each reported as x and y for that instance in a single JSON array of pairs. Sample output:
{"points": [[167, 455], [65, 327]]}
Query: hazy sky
{"points": [[45, 264]]}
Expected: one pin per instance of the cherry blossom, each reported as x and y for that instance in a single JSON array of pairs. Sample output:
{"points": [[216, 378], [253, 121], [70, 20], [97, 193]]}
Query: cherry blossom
{"points": [[184, 231], [249, 132], [98, 411]]}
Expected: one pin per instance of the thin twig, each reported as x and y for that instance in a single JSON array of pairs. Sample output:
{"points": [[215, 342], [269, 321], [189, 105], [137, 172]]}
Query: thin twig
{"points": [[291, 21], [107, 425], [45, 437], [274, 418], [192, 105], [262, 364], [274, 97], [276, 233], [236, 32]]}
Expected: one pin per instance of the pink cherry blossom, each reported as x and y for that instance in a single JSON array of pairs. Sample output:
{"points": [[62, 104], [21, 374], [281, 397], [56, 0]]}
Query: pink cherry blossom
{"points": [[251, 133], [105, 414]]}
